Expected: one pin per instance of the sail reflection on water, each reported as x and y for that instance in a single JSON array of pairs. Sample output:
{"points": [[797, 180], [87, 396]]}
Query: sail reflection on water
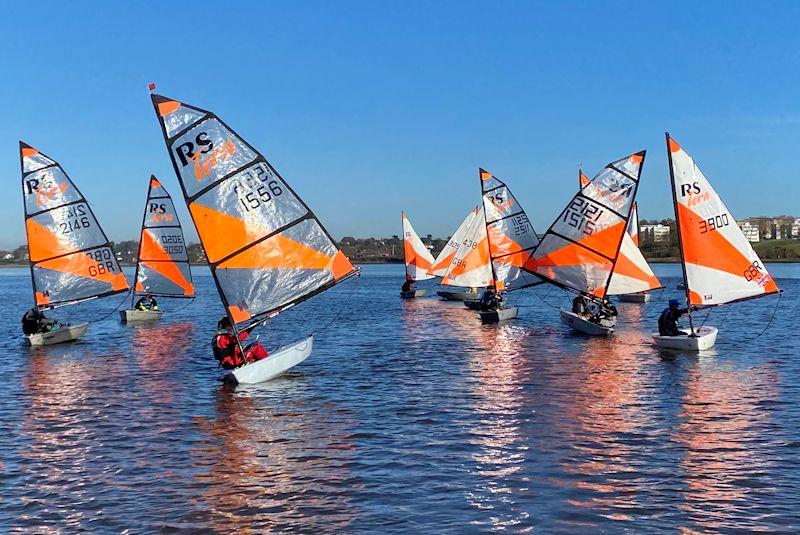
{"points": [[259, 454], [726, 463]]}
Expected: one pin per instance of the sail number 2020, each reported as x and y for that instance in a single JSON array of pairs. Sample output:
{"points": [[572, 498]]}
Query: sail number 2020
{"points": [[256, 188]]}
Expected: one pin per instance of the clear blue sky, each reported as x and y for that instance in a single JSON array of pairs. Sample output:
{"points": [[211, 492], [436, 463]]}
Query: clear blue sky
{"points": [[369, 108]]}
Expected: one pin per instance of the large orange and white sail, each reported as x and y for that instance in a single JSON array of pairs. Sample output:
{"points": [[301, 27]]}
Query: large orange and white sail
{"points": [[581, 247], [720, 265], [510, 234], [162, 266], [448, 253], [70, 256], [471, 267], [266, 249], [417, 257], [632, 273]]}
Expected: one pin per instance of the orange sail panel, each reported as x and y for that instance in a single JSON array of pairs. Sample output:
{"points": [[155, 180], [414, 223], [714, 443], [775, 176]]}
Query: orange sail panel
{"points": [[581, 247], [266, 249], [448, 253], [510, 234], [418, 259], [71, 258], [719, 263], [163, 261]]}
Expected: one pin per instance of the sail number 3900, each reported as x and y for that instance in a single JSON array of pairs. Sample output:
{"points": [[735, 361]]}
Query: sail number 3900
{"points": [[256, 189]]}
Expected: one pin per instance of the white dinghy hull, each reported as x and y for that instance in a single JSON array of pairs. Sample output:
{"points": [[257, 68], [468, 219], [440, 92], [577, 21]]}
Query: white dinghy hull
{"points": [[584, 326], [134, 315], [64, 334], [411, 294], [634, 298], [457, 296], [273, 366], [496, 316], [704, 338]]}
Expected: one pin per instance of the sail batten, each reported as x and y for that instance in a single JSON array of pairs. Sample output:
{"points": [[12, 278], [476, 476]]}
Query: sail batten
{"points": [[70, 257], [266, 249], [719, 265]]}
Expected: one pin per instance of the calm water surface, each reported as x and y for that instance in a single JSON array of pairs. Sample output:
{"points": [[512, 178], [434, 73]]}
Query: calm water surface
{"points": [[410, 416]]}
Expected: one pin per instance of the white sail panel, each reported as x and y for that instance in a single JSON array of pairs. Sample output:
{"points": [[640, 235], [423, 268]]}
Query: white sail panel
{"points": [[721, 265], [266, 249], [511, 235], [632, 273], [633, 224], [417, 257], [448, 253], [471, 266]]}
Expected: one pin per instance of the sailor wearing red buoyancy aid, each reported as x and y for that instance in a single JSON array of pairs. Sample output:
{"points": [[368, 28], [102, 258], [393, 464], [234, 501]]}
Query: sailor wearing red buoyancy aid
{"points": [[227, 351]]}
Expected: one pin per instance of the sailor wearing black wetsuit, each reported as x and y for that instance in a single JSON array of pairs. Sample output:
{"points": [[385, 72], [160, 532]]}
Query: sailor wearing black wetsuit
{"points": [[668, 321]]}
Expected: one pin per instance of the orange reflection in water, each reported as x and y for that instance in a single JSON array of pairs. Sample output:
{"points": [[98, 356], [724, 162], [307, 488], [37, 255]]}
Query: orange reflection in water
{"points": [[270, 468], [603, 389], [158, 348], [722, 433], [498, 369], [61, 420]]}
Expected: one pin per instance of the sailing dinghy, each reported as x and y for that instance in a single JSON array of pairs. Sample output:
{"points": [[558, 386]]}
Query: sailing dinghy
{"points": [[446, 256], [632, 278], [580, 250], [719, 264], [162, 265], [511, 239], [266, 249], [417, 258], [71, 259]]}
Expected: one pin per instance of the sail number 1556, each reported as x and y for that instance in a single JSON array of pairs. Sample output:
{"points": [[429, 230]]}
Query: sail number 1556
{"points": [[255, 189]]}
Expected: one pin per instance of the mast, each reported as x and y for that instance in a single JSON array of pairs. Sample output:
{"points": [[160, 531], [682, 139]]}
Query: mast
{"points": [[27, 240], [678, 230], [488, 234]]}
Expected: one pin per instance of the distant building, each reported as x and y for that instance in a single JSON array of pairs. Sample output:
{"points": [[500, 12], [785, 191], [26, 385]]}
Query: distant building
{"points": [[656, 233], [796, 229], [749, 230]]}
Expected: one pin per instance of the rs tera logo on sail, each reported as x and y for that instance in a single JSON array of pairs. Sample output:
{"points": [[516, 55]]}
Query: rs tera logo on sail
{"points": [[46, 191], [695, 194], [158, 213], [203, 154]]}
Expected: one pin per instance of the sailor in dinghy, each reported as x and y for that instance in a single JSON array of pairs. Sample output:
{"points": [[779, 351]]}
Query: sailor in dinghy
{"points": [[267, 251]]}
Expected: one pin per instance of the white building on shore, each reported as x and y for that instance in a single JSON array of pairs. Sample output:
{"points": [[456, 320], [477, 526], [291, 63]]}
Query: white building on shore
{"points": [[657, 233], [749, 230]]}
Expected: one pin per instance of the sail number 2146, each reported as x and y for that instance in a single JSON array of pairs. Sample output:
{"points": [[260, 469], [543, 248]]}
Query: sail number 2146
{"points": [[256, 188]]}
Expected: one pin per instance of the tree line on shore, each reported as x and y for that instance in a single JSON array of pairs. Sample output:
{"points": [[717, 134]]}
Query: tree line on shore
{"points": [[390, 250]]}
